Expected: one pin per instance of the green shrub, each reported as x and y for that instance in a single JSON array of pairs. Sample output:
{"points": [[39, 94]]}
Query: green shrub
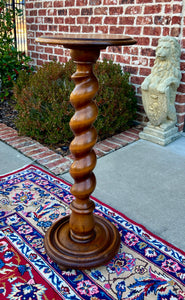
{"points": [[44, 110], [42, 102], [11, 60], [115, 99]]}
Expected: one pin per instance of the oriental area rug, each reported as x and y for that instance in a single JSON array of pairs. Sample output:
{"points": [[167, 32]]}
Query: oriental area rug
{"points": [[31, 199]]}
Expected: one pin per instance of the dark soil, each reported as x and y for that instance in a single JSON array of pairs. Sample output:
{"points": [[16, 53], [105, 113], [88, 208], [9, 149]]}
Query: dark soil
{"points": [[8, 115]]}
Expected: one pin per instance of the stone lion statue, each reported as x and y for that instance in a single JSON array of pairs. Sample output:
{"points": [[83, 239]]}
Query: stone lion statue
{"points": [[159, 88]]}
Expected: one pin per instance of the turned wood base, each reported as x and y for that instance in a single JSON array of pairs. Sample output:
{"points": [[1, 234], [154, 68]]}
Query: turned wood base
{"points": [[68, 253]]}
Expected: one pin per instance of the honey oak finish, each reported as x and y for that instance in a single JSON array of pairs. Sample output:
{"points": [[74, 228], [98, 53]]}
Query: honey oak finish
{"points": [[83, 240]]}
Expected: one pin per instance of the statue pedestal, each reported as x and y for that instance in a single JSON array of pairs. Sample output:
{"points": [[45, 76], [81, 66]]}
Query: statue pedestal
{"points": [[159, 135]]}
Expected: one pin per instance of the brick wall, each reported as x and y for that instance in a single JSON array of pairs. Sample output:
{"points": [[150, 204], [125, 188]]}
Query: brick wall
{"points": [[144, 20]]}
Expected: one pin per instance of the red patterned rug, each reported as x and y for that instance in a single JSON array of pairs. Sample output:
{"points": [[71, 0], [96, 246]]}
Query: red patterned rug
{"points": [[146, 267]]}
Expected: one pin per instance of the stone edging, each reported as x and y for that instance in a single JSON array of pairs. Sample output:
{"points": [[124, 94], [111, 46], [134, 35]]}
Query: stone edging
{"points": [[57, 163]]}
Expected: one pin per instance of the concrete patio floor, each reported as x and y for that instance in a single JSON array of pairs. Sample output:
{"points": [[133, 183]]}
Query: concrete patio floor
{"points": [[144, 181]]}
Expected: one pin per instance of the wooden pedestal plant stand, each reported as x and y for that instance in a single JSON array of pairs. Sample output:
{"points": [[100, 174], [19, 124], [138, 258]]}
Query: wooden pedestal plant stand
{"points": [[83, 240]]}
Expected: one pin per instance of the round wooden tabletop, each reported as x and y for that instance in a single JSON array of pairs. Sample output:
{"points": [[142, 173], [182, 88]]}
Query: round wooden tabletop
{"points": [[87, 40]]}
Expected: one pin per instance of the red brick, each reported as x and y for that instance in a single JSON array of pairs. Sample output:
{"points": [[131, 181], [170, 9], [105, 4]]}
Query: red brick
{"points": [[144, 20], [102, 29], [69, 20], [28, 5], [19, 142], [63, 28], [103, 147], [180, 118], [39, 49], [140, 61], [59, 51], [52, 12], [131, 50], [168, 9], [55, 163], [3, 126], [120, 140], [110, 20], [180, 108], [116, 10], [87, 28], [38, 4], [42, 12], [96, 20], [126, 1], [175, 31], [156, 31], [43, 57], [45, 157], [83, 20], [152, 9], [145, 71], [33, 12], [35, 151], [177, 8], [42, 27], [130, 69], [52, 28], [180, 98], [8, 131], [143, 1], [9, 137], [28, 145], [63, 12], [58, 3], [133, 30], [176, 20], [181, 88], [127, 137], [106, 56], [48, 20], [30, 20], [134, 130], [74, 11], [123, 59], [53, 57], [86, 11], [109, 2], [100, 11], [181, 127], [95, 2], [98, 152], [35, 55], [69, 3], [63, 168], [116, 29], [126, 20], [136, 79], [75, 29], [130, 134], [48, 50], [133, 10], [81, 2], [147, 52]]}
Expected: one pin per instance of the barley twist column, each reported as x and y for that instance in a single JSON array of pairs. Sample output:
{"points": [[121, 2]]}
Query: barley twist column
{"points": [[82, 219]]}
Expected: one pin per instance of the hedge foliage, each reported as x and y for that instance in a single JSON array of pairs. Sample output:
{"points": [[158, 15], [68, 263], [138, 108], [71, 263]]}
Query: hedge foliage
{"points": [[44, 110]]}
